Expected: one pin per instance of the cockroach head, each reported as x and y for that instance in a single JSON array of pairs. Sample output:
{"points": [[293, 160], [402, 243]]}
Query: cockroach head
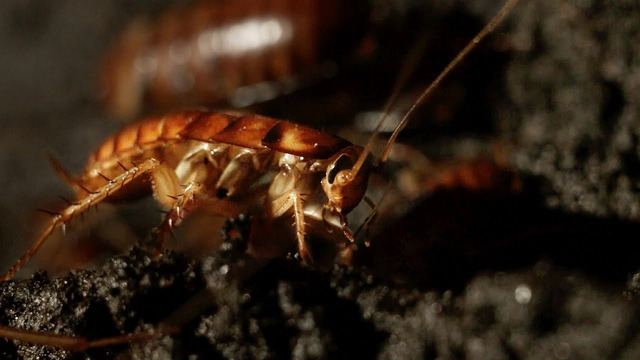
{"points": [[344, 185]]}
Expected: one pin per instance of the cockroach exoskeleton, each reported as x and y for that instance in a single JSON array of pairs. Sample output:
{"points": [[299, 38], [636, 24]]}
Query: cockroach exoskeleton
{"points": [[280, 172], [227, 52], [228, 161]]}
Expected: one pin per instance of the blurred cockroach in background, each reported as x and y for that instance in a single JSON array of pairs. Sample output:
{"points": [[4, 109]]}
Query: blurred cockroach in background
{"points": [[228, 53]]}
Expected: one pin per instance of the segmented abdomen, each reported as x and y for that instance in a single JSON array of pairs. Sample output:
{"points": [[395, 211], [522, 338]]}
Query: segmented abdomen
{"points": [[242, 50], [250, 131]]}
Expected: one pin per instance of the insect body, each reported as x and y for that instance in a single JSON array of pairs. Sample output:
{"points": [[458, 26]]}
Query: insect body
{"points": [[232, 162], [214, 53]]}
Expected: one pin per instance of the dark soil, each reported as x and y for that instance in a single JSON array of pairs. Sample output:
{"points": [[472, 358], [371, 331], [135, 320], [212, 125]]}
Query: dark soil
{"points": [[231, 306]]}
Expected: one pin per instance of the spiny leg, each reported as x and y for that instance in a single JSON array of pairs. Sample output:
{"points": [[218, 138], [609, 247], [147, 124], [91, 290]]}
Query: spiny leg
{"points": [[343, 222], [78, 344], [280, 205], [189, 200], [345, 229], [80, 207], [176, 213]]}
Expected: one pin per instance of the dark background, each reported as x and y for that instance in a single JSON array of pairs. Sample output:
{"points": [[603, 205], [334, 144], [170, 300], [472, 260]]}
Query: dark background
{"points": [[48, 67]]}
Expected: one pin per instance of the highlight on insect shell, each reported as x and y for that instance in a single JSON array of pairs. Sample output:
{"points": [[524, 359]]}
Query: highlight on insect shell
{"points": [[228, 53]]}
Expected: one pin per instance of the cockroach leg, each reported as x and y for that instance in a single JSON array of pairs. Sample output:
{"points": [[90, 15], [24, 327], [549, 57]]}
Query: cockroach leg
{"points": [[165, 185], [79, 344], [182, 204], [279, 206], [327, 223], [341, 218], [80, 207], [345, 229], [60, 170], [286, 195]]}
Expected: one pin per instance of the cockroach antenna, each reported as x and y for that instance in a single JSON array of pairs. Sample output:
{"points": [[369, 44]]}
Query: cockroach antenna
{"points": [[402, 78]]}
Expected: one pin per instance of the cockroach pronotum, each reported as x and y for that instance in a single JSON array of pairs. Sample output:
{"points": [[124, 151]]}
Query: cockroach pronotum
{"points": [[238, 52], [235, 163]]}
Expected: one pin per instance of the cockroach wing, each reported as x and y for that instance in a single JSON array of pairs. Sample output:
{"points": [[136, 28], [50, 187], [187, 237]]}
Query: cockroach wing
{"points": [[304, 141], [218, 127], [261, 132], [246, 131]]}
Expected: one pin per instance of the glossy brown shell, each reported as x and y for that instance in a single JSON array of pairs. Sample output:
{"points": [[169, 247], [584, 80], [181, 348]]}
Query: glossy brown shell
{"points": [[186, 72], [250, 131]]}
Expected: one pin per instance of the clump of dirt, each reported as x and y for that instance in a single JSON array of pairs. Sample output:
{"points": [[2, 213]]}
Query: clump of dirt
{"points": [[233, 306]]}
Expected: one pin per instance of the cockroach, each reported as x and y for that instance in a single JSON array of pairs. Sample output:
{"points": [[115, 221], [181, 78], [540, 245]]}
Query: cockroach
{"points": [[227, 52], [235, 163]]}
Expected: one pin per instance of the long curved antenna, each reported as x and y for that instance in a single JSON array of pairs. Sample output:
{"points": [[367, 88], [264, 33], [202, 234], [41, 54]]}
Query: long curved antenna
{"points": [[372, 215], [506, 8], [414, 56]]}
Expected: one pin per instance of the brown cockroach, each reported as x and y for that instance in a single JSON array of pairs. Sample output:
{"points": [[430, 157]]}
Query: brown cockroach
{"points": [[234, 163], [227, 52]]}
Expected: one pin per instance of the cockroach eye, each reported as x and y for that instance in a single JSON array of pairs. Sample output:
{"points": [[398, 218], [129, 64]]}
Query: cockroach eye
{"points": [[343, 177], [342, 163]]}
